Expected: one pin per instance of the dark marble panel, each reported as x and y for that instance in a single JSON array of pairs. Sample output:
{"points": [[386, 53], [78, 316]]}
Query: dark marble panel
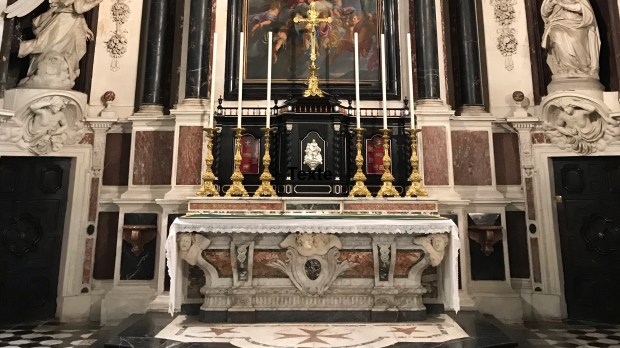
{"points": [[116, 160], [153, 158], [138, 267], [94, 199], [529, 194], [518, 254], [189, 161], [471, 158], [507, 158], [535, 260], [435, 150], [220, 260], [105, 249], [406, 259], [195, 280]]}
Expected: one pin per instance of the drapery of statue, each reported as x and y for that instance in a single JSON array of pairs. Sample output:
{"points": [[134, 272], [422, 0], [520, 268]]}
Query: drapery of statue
{"points": [[60, 43], [571, 38]]}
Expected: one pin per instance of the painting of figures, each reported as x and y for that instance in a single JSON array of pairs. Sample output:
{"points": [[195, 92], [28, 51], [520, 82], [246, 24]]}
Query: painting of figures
{"points": [[291, 41]]}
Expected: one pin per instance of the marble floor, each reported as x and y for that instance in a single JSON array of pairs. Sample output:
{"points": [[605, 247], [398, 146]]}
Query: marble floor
{"points": [[48, 334], [569, 333]]}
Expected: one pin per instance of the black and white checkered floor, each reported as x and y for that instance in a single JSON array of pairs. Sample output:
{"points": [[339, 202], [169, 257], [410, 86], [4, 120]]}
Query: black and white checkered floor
{"points": [[568, 333], [49, 334]]}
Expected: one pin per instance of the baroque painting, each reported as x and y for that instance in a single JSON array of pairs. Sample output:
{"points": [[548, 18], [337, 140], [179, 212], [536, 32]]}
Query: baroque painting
{"points": [[291, 42]]}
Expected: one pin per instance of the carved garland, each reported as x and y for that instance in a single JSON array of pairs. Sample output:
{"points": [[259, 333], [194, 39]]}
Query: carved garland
{"points": [[117, 44], [506, 41]]}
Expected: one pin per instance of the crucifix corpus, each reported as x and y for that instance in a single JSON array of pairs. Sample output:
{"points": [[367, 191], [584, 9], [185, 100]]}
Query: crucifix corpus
{"points": [[312, 21]]}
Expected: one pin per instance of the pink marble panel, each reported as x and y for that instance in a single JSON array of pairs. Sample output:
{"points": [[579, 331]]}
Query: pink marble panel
{"points": [[235, 207], [189, 161], [536, 260], [405, 259], [262, 258], [88, 261], [94, 199], [540, 138], [365, 260], [389, 206], [153, 158], [220, 259], [529, 194], [471, 158], [88, 139], [507, 158], [435, 150]]}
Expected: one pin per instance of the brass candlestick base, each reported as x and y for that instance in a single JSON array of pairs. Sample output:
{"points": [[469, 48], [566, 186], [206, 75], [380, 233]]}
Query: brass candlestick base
{"points": [[388, 189], [208, 187], [237, 189], [266, 189], [360, 189], [417, 187]]}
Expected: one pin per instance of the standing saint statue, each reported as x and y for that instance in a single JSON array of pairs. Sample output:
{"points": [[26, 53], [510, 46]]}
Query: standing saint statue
{"points": [[571, 38], [60, 43]]}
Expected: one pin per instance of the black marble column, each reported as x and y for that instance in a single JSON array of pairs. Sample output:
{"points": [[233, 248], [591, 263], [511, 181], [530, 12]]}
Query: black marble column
{"points": [[197, 74], [427, 56], [155, 33], [469, 53]]}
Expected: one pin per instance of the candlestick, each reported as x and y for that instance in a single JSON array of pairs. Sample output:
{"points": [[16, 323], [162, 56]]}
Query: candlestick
{"points": [[213, 70], [357, 83], [388, 189], [266, 189], [208, 187], [269, 63], [240, 106], [411, 102], [360, 189], [384, 82], [237, 188], [417, 187]]}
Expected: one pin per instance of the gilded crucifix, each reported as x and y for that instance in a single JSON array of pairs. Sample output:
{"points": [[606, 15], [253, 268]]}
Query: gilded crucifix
{"points": [[312, 21]]}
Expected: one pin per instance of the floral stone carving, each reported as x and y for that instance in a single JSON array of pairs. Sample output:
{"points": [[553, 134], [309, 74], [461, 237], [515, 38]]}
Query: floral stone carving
{"points": [[579, 124]]}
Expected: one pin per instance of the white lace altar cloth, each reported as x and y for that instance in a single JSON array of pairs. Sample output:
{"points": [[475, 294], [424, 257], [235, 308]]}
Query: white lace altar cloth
{"points": [[320, 224]]}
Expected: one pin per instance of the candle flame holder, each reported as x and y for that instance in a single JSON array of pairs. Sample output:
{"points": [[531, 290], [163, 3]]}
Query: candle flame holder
{"points": [[237, 189], [360, 189], [266, 189], [417, 188], [208, 188], [388, 189]]}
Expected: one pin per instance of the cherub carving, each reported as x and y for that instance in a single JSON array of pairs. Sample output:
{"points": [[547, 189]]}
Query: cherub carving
{"points": [[435, 245], [310, 244]]}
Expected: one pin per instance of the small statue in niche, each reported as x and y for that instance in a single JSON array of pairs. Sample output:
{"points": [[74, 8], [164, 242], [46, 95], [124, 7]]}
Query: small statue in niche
{"points": [[313, 158], [571, 38], [61, 33]]}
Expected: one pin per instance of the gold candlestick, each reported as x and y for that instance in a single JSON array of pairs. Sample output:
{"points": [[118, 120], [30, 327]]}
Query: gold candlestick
{"points": [[360, 189], [237, 189], [388, 189], [266, 189], [417, 186], [208, 188]]}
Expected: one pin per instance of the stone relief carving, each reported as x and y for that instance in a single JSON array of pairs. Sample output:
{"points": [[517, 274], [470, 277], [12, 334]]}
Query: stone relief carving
{"points": [[191, 246], [45, 125], [504, 12], [578, 124], [117, 44], [317, 268], [435, 245], [313, 157], [571, 38], [60, 43]]}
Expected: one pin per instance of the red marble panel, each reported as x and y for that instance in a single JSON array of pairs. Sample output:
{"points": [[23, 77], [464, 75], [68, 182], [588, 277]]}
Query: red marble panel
{"points": [[153, 158], [94, 199], [116, 160], [507, 158], [540, 138], [220, 259], [536, 260], [365, 260], [434, 148], [88, 261], [189, 161], [389, 206], [405, 259], [89, 139], [529, 193], [241, 206], [471, 158], [262, 258], [105, 250]]}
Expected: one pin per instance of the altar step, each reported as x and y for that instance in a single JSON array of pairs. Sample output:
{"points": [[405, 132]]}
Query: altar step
{"points": [[140, 330]]}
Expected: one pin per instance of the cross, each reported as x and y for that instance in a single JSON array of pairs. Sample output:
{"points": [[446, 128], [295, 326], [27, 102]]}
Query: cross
{"points": [[312, 21]]}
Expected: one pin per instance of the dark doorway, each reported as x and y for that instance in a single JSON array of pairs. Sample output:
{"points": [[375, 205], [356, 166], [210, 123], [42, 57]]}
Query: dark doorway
{"points": [[33, 203], [588, 202]]}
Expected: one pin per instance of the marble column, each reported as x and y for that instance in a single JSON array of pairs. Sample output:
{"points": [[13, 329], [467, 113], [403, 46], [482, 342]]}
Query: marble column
{"points": [[469, 55], [199, 42], [155, 31], [427, 56]]}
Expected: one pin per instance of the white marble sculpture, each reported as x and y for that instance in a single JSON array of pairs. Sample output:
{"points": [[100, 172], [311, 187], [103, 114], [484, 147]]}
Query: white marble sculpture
{"points": [[571, 38], [60, 43], [435, 245], [313, 157]]}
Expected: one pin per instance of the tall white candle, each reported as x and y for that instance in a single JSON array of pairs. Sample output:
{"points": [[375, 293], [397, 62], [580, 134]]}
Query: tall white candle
{"points": [[269, 61], [213, 70], [357, 83], [411, 101], [240, 106], [384, 81]]}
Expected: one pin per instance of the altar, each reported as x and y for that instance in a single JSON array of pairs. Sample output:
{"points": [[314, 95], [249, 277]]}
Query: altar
{"points": [[279, 263]]}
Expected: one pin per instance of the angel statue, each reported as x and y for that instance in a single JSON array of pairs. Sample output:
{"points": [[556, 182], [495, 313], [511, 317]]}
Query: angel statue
{"points": [[60, 43]]}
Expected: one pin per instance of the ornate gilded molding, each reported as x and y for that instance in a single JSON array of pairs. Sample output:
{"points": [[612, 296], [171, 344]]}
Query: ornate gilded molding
{"points": [[504, 12], [117, 43]]}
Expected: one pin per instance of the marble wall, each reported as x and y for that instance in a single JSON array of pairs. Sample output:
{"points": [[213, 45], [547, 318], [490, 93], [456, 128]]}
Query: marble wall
{"points": [[153, 158], [507, 158], [471, 158], [189, 161], [116, 160], [435, 155], [516, 232], [105, 248]]}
